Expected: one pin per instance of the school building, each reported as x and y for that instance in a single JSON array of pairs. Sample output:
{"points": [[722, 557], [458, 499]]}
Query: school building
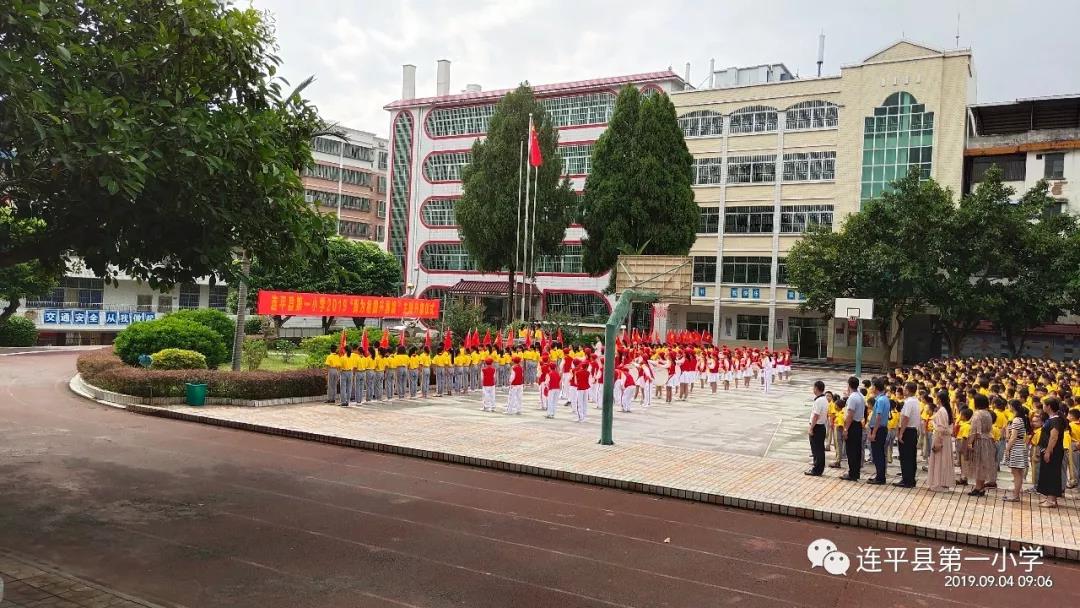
{"points": [[348, 180], [775, 155], [430, 141]]}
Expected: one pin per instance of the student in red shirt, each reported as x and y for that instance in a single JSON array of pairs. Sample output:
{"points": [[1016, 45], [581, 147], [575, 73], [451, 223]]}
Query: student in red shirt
{"points": [[581, 382], [553, 382], [487, 384]]}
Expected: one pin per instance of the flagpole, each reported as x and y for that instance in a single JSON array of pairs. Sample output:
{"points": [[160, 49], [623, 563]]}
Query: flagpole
{"points": [[536, 189], [517, 229], [525, 243]]}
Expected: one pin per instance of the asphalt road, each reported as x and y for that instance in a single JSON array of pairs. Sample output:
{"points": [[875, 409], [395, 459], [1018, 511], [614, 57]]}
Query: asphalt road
{"points": [[191, 515]]}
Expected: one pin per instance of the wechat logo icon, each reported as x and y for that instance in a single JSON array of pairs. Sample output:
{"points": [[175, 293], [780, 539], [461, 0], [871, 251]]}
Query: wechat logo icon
{"points": [[822, 552]]}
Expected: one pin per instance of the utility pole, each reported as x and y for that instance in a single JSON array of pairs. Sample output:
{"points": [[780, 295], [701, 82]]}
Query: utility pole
{"points": [[241, 310]]}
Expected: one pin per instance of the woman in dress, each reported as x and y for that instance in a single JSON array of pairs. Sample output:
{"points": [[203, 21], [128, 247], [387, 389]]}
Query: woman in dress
{"points": [[1050, 441], [1016, 456], [984, 464], [941, 472]]}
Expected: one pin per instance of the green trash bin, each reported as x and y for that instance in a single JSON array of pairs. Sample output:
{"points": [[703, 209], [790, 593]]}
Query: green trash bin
{"points": [[196, 393]]}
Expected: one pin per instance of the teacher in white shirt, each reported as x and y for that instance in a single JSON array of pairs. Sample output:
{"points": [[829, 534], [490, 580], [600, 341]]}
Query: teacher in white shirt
{"points": [[819, 417]]}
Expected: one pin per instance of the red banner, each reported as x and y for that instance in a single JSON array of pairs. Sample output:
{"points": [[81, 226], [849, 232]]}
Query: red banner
{"points": [[342, 305]]}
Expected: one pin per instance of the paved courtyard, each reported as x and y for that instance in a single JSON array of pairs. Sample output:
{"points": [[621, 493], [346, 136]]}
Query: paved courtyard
{"points": [[741, 449]]}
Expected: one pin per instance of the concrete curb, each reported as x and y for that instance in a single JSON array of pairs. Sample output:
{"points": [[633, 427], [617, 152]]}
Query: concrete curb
{"points": [[85, 389], [778, 507]]}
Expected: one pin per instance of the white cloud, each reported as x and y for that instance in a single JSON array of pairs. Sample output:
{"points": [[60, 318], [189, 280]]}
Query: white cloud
{"points": [[356, 48]]}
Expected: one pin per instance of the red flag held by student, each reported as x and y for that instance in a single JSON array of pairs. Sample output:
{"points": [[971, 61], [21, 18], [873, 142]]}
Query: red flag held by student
{"points": [[535, 158], [364, 344], [427, 339], [528, 339], [403, 340], [509, 337], [558, 337], [487, 338], [385, 341], [498, 339], [341, 344], [448, 341]]}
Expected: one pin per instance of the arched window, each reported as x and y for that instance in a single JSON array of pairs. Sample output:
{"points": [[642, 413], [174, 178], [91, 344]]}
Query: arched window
{"points": [[578, 110], [439, 212], [445, 166], [445, 256], [898, 137], [753, 119], [701, 123], [813, 114], [467, 120]]}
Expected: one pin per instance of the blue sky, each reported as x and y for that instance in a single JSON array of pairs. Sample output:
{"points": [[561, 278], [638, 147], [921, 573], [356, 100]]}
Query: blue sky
{"points": [[355, 48]]}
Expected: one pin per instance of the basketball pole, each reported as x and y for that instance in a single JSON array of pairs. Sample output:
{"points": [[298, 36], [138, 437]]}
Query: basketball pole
{"points": [[858, 347]]}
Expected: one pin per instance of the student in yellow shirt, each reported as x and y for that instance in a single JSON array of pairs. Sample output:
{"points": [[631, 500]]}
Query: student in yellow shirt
{"points": [[355, 366], [345, 378], [1035, 451], [380, 376], [364, 376], [475, 358], [962, 445], [412, 364], [401, 371], [333, 376], [892, 426], [461, 371], [998, 408], [839, 408], [440, 362], [425, 372], [1074, 440]]}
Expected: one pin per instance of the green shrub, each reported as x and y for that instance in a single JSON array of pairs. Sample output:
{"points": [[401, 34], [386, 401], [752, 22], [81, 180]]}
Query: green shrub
{"points": [[104, 370], [317, 347], [286, 347], [253, 326], [215, 320], [254, 352], [170, 332], [17, 331], [178, 358]]}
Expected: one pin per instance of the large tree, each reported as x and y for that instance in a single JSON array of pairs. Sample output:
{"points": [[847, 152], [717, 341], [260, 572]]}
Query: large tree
{"points": [[149, 137], [888, 252], [638, 197], [487, 213]]}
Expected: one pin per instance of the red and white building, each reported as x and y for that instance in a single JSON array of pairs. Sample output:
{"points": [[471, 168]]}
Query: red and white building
{"points": [[430, 140]]}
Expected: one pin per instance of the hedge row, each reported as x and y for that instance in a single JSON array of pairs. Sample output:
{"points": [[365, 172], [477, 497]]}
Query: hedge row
{"points": [[105, 370]]}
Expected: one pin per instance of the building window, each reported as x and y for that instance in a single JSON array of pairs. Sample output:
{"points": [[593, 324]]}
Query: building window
{"points": [[756, 219], [706, 171], [164, 304], [752, 327], [219, 296], [709, 220], [382, 159], [436, 293], [750, 270], [356, 230], [380, 184], [144, 303], [578, 305], [702, 123], [445, 166], [704, 268], [796, 219], [1013, 167], [332, 146], [381, 209], [753, 119], [577, 159], [756, 169], [816, 114], [189, 296], [330, 173], [439, 212], [330, 199], [1054, 165], [810, 166], [567, 262], [446, 256], [380, 233], [468, 120], [83, 292], [781, 271], [400, 174], [701, 323], [898, 137], [577, 110]]}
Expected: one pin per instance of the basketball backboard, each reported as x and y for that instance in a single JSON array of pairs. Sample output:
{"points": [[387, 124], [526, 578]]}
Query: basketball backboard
{"points": [[858, 308]]}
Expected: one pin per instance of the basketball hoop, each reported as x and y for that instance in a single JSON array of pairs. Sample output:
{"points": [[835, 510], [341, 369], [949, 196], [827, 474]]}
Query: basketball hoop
{"points": [[853, 322]]}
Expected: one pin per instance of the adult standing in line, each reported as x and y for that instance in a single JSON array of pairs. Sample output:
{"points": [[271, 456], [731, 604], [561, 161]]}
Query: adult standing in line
{"points": [[333, 372], [853, 430], [983, 451], [908, 437], [1016, 456], [1051, 440], [819, 417], [941, 474], [878, 425]]}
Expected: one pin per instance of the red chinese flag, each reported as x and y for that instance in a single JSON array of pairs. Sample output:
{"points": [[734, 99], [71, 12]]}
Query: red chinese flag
{"points": [[341, 344], [403, 340], [498, 340], [448, 341], [528, 339], [558, 336], [535, 158], [509, 337], [487, 338], [385, 341], [427, 339], [364, 343]]}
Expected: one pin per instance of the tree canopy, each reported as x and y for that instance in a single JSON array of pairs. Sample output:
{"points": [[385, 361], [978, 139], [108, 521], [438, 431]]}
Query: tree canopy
{"points": [[639, 197], [487, 213], [150, 138]]}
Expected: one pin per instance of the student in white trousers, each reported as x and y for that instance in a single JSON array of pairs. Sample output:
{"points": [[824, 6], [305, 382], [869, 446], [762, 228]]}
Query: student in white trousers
{"points": [[517, 382], [767, 374]]}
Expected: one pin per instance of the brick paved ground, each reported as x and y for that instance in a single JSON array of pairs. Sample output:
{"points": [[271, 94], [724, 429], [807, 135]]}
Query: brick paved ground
{"points": [[742, 449], [28, 584]]}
